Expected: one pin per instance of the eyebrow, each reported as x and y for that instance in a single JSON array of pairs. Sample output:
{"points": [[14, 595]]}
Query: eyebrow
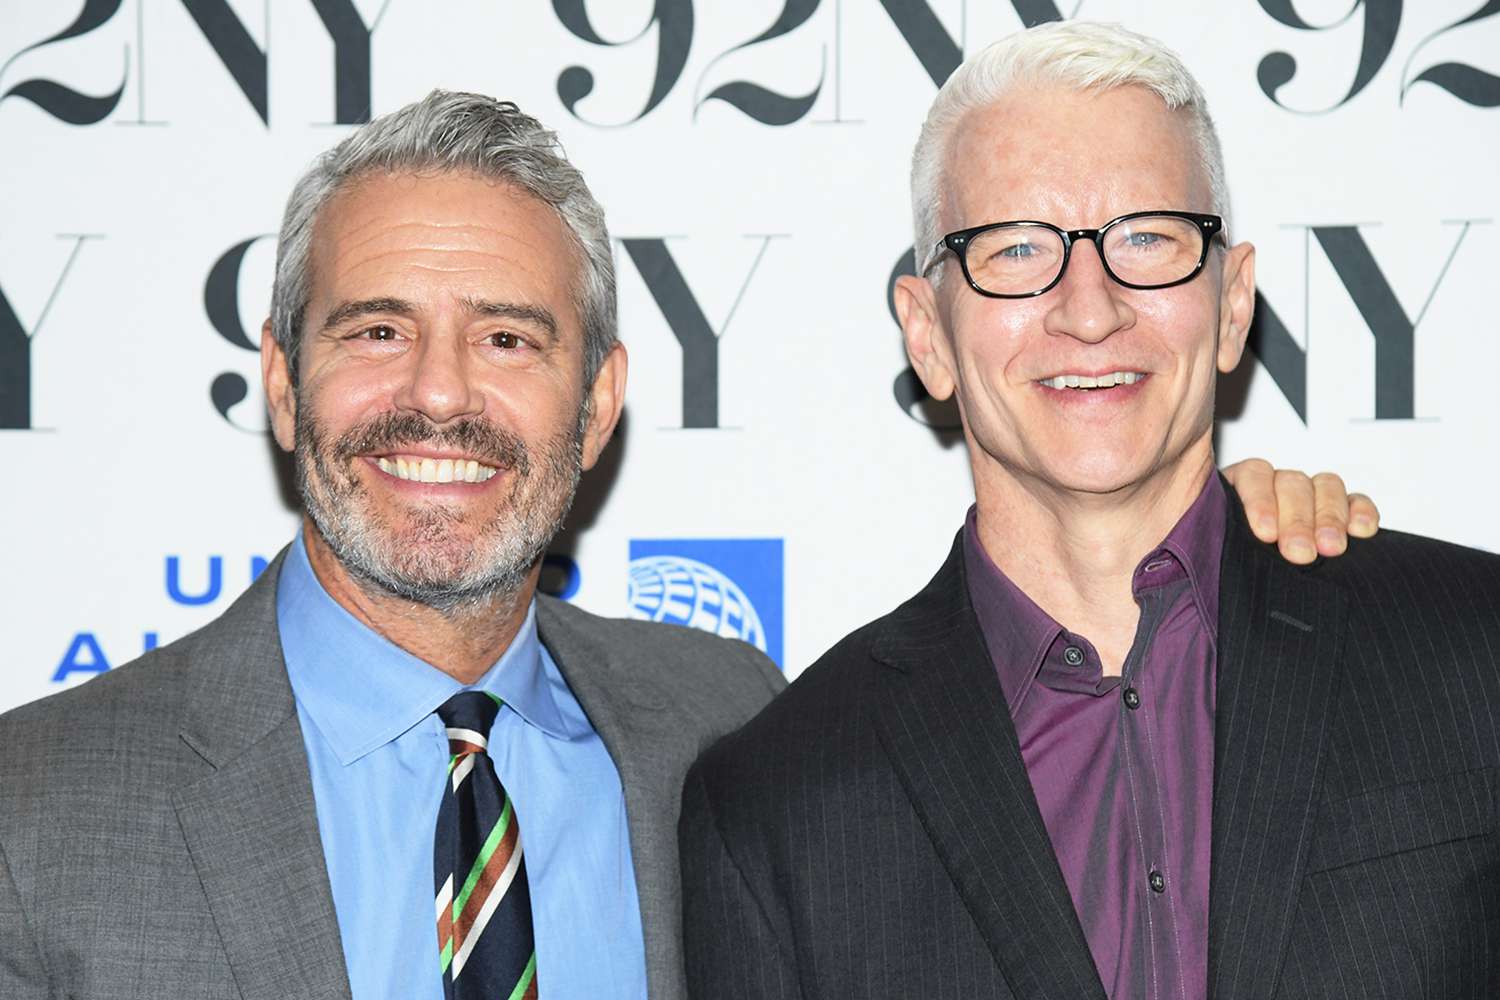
{"points": [[538, 315], [526, 313], [346, 311]]}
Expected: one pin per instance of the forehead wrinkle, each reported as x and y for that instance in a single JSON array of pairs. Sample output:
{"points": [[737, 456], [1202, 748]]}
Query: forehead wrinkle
{"points": [[494, 270], [352, 242], [354, 216], [369, 230], [442, 262]]}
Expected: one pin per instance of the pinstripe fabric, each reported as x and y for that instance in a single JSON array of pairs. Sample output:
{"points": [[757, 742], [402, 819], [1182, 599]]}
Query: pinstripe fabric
{"points": [[873, 832], [1391, 885]]}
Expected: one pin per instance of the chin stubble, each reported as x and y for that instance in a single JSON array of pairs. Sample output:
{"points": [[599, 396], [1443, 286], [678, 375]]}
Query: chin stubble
{"points": [[432, 562]]}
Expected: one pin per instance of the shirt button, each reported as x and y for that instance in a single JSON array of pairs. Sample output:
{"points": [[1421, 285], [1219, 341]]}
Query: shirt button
{"points": [[1158, 882], [1073, 656], [1132, 699]]}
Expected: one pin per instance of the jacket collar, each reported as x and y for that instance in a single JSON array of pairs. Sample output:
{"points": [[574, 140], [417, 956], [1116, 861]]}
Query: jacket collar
{"points": [[249, 821], [635, 714], [943, 720]]}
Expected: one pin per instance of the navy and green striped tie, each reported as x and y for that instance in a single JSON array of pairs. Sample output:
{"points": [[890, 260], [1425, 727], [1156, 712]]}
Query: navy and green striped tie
{"points": [[483, 900]]}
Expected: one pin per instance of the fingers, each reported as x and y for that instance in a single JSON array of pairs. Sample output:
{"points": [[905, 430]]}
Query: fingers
{"points": [[1296, 501], [1253, 480], [1332, 514], [1306, 516], [1364, 517]]}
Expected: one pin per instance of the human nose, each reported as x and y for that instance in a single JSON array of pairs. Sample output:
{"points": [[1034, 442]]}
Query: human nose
{"points": [[1087, 304], [438, 384]]}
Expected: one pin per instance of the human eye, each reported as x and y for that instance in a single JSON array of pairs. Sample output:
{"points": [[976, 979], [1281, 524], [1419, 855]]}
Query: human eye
{"points": [[380, 333], [506, 340], [1012, 249], [1149, 236]]}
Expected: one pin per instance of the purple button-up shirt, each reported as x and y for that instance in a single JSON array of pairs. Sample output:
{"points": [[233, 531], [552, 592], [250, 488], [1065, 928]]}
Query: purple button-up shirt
{"points": [[1122, 767]]}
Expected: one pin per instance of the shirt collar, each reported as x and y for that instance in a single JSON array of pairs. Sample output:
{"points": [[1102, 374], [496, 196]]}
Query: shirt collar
{"points": [[362, 691], [1018, 633], [1196, 542]]}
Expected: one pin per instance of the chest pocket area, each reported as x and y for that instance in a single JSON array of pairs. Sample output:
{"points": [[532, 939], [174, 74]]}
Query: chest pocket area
{"points": [[1390, 821]]}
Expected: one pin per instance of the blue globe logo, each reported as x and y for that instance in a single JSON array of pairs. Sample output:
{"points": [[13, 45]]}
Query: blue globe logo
{"points": [[682, 591]]}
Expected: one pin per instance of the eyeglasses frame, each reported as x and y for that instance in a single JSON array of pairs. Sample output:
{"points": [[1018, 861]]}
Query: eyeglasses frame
{"points": [[1209, 226]]}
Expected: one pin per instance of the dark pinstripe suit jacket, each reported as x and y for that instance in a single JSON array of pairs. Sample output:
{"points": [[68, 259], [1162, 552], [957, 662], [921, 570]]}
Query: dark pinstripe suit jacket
{"points": [[873, 832]]}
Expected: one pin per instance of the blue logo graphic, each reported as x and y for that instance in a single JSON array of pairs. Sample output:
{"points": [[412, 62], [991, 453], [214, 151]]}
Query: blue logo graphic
{"points": [[85, 654], [728, 586]]}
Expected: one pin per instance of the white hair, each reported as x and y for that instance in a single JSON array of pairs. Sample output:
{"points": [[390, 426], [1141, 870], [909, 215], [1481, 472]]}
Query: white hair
{"points": [[1079, 55]]}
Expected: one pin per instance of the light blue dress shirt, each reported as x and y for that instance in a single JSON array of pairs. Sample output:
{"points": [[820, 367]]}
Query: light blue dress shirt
{"points": [[379, 756]]}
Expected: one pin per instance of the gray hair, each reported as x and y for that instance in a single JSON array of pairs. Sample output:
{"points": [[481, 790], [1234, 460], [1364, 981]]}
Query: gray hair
{"points": [[1080, 55], [451, 132]]}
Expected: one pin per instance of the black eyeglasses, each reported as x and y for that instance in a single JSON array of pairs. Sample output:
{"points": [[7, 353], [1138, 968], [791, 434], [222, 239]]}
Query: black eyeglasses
{"points": [[1016, 260]]}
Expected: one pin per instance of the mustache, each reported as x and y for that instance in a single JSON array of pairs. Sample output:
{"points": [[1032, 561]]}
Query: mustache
{"points": [[493, 446]]}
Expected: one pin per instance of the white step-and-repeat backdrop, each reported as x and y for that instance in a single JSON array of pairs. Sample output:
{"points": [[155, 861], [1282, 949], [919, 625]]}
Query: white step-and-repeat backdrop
{"points": [[777, 475]]}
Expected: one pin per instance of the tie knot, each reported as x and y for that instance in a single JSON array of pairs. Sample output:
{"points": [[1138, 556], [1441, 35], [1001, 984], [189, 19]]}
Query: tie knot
{"points": [[468, 717]]}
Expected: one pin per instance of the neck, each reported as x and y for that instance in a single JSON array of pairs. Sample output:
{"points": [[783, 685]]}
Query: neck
{"points": [[1080, 550], [462, 644]]}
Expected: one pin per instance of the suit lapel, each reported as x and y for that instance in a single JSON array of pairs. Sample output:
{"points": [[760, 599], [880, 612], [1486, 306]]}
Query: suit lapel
{"points": [[943, 719], [634, 719], [1279, 632], [250, 822]]}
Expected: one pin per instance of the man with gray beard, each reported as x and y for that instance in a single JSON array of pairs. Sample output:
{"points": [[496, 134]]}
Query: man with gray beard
{"points": [[392, 769]]}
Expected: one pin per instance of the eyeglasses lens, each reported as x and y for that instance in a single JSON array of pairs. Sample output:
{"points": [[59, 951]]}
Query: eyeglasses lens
{"points": [[1022, 258]]}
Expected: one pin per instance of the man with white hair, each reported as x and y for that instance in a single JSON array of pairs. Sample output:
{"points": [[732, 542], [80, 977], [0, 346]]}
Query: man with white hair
{"points": [[392, 768], [1115, 748]]}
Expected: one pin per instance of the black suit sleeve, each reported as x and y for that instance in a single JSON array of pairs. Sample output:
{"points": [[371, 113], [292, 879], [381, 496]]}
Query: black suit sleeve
{"points": [[731, 949]]}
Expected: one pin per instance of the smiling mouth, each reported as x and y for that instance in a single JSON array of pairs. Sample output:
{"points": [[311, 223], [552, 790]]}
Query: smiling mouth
{"points": [[1086, 382], [418, 469]]}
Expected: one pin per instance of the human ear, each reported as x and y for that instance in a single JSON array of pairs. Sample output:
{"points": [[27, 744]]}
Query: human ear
{"points": [[281, 395], [926, 339], [606, 398], [1236, 305]]}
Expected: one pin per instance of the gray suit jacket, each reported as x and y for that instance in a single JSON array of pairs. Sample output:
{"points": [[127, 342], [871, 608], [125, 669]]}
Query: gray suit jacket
{"points": [[157, 831]]}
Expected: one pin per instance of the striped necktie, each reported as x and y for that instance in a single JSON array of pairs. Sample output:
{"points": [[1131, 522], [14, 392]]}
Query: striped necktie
{"points": [[483, 899]]}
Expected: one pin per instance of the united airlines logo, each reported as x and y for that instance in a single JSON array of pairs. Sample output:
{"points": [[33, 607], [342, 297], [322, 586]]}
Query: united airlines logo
{"points": [[728, 586]]}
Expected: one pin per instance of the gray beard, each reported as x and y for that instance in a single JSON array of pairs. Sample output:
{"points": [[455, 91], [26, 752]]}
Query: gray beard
{"points": [[428, 563]]}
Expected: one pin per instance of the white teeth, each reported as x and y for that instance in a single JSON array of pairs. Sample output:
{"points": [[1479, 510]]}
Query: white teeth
{"points": [[439, 470], [1092, 381]]}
